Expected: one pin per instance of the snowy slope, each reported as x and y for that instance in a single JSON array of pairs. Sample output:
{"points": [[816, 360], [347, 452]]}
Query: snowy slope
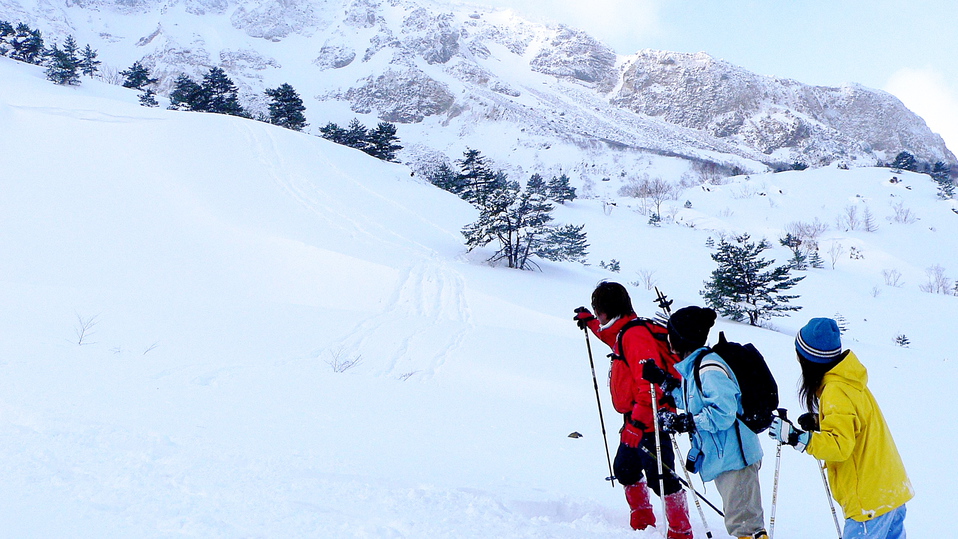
{"points": [[222, 267]]}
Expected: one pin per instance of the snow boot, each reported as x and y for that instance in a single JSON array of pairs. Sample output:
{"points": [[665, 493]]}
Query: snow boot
{"points": [[638, 497], [677, 510]]}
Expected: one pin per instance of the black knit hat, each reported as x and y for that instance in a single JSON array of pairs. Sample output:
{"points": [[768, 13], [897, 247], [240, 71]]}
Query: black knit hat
{"points": [[689, 327]]}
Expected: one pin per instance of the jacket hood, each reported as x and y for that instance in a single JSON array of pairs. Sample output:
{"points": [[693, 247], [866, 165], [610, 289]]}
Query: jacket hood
{"points": [[850, 371]]}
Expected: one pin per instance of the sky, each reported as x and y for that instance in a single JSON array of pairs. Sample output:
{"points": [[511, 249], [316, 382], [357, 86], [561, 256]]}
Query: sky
{"points": [[906, 48]]}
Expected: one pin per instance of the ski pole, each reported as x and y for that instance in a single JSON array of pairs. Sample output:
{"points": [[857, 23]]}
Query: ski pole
{"points": [[695, 495], [828, 493], [658, 454], [782, 413], [688, 485], [598, 402]]}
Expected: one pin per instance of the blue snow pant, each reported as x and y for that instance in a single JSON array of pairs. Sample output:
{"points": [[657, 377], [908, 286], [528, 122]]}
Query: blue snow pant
{"points": [[888, 526]]}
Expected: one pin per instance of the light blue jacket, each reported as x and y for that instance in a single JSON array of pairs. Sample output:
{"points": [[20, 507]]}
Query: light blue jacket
{"points": [[721, 442]]}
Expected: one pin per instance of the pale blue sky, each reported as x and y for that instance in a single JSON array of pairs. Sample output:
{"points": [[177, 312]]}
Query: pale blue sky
{"points": [[906, 47]]}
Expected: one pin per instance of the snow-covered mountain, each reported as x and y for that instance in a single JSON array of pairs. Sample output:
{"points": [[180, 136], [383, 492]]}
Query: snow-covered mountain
{"points": [[534, 97], [215, 327]]}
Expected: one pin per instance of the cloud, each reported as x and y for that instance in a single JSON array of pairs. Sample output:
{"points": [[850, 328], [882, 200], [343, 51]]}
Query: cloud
{"points": [[928, 94]]}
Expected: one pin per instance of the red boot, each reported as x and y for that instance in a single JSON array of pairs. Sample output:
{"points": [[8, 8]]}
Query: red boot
{"points": [[638, 497], [677, 510]]}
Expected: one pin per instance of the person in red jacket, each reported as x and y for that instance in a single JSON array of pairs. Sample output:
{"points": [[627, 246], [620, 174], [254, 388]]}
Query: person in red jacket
{"points": [[635, 466]]}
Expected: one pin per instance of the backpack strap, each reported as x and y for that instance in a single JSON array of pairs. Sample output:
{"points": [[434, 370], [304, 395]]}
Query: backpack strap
{"points": [[700, 365], [638, 321]]}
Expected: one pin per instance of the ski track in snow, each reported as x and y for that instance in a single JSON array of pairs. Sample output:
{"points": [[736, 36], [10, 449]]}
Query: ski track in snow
{"points": [[428, 291], [309, 193], [429, 299]]}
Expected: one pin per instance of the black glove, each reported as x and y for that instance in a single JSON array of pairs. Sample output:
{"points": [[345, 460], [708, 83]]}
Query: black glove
{"points": [[582, 317], [808, 421], [672, 422], [652, 373]]}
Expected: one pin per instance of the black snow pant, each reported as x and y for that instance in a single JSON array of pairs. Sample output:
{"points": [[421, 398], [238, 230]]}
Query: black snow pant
{"points": [[631, 464]]}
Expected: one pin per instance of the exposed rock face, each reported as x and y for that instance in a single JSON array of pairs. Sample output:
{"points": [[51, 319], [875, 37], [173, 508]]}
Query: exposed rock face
{"points": [[401, 96], [577, 55], [815, 124], [407, 60], [334, 57]]}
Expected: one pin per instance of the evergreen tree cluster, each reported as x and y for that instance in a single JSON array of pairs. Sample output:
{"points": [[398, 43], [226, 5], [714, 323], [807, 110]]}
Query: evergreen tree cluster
{"points": [[65, 63], [939, 171], [380, 142], [216, 93], [518, 219]]}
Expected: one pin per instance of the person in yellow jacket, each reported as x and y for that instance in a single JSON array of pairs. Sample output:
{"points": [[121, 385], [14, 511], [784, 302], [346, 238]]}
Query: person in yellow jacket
{"points": [[845, 428]]}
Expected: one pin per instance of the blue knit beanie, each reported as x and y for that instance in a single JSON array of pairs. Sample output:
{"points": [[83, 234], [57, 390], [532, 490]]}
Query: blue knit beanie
{"points": [[820, 341]]}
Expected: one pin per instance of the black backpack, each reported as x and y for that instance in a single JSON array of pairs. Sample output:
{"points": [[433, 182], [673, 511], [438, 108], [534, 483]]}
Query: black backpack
{"points": [[755, 380]]}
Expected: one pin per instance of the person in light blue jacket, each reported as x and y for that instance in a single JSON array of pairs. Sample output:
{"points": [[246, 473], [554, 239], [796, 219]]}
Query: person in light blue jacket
{"points": [[724, 450]]}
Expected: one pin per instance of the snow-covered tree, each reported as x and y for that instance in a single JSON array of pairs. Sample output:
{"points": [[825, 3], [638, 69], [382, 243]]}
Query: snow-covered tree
{"points": [[89, 65], [905, 161], [62, 66], [518, 220], [222, 96], [137, 76], [187, 94], [383, 142], [741, 287], [286, 108], [26, 45], [559, 189]]}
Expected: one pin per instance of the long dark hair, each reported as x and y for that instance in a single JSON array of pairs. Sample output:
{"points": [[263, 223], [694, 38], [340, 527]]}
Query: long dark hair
{"points": [[812, 376]]}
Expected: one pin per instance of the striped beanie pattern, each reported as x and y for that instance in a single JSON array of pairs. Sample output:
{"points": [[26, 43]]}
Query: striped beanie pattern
{"points": [[820, 341]]}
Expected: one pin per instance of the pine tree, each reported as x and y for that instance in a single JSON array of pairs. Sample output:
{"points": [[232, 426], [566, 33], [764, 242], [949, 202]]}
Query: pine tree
{"points": [[444, 177], [941, 173], [6, 32], [148, 98], [62, 67], [905, 161], [137, 76], [519, 221], [89, 65], [815, 260], [333, 133], [799, 259], [222, 96], [286, 108], [383, 142], [356, 135], [27, 45], [187, 94], [559, 189], [741, 287], [477, 178]]}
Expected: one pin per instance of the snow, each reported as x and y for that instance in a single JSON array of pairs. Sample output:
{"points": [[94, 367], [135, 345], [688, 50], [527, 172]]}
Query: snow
{"points": [[222, 267]]}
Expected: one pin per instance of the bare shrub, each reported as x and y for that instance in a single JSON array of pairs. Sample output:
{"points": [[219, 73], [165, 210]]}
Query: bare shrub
{"points": [[902, 214], [892, 278], [835, 252], [849, 219], [655, 190], [84, 329], [340, 363], [646, 279], [938, 282], [807, 233]]}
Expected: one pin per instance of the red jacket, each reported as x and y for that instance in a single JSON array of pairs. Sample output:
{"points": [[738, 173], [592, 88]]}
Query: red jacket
{"points": [[630, 392]]}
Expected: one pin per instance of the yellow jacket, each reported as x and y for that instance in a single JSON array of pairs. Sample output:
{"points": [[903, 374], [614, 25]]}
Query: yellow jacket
{"points": [[865, 471]]}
